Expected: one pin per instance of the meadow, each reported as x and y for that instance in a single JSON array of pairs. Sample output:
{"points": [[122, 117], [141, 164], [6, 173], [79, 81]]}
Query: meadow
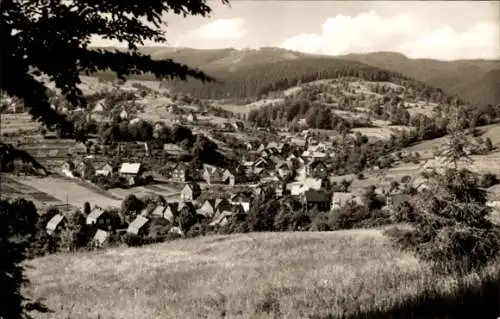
{"points": [[72, 191], [350, 274]]}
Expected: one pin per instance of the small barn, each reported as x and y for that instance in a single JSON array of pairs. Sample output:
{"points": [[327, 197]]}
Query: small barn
{"points": [[191, 191], [138, 226], [55, 223], [100, 237]]}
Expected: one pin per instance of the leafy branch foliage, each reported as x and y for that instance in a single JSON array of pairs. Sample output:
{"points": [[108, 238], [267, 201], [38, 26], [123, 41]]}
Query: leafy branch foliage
{"points": [[52, 38]]}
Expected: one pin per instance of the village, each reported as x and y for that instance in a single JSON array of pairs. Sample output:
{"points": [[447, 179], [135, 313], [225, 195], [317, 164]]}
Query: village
{"points": [[201, 162]]}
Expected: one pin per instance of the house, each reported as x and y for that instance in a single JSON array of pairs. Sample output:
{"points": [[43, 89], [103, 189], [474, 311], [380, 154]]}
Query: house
{"points": [[145, 212], [99, 106], [251, 145], [213, 175], [299, 142], [212, 207], [230, 178], [192, 117], [244, 199], [222, 219], [104, 170], [262, 163], [239, 126], [158, 211], [191, 191], [55, 223], [265, 153], [79, 148], [309, 183], [171, 212], [222, 204], [207, 209], [172, 108], [260, 190], [67, 168], [180, 173], [316, 199], [280, 189], [176, 230], [98, 216], [340, 199], [123, 114], [317, 169], [228, 127], [100, 237], [173, 149], [85, 169], [130, 171], [138, 226], [284, 169]]}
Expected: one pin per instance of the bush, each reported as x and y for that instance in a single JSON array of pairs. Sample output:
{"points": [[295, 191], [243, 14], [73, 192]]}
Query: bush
{"points": [[196, 230], [321, 222], [354, 216], [404, 213], [133, 240]]}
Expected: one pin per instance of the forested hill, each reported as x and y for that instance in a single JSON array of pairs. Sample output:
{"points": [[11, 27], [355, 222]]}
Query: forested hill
{"points": [[255, 81], [476, 81]]}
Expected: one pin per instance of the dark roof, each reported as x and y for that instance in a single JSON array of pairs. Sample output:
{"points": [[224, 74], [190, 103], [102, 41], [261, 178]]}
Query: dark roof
{"points": [[313, 195], [242, 197], [315, 163]]}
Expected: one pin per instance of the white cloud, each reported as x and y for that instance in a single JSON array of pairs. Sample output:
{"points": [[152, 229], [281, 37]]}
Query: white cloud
{"points": [[221, 29], [370, 32], [481, 41]]}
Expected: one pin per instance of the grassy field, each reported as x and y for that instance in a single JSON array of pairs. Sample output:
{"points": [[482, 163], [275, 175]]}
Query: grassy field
{"points": [[75, 193], [266, 275], [11, 188], [20, 122], [159, 189]]}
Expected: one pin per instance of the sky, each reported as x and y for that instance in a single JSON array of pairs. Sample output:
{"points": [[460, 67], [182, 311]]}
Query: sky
{"points": [[445, 30]]}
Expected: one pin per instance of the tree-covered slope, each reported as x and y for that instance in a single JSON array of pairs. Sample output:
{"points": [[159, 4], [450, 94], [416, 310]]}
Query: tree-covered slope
{"points": [[476, 81], [254, 81], [473, 80]]}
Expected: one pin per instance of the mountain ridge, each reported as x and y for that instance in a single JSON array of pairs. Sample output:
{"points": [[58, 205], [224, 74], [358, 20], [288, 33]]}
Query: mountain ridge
{"points": [[473, 80]]}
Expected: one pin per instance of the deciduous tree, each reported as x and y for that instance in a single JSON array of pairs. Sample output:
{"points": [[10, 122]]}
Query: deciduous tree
{"points": [[52, 38]]}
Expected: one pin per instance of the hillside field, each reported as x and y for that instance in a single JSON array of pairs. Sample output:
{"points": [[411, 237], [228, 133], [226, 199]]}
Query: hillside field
{"points": [[256, 275], [76, 193]]}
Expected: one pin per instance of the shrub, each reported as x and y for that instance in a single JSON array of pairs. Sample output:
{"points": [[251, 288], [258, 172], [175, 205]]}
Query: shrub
{"points": [[353, 216], [321, 222], [404, 213], [133, 240], [196, 230]]}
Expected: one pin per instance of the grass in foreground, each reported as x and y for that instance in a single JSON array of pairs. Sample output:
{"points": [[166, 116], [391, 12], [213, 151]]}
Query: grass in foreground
{"points": [[289, 275]]}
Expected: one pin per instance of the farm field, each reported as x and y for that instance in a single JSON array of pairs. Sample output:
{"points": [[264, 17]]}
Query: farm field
{"points": [[76, 193], [492, 131], [383, 133], [11, 188], [255, 275], [19, 122], [158, 189]]}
